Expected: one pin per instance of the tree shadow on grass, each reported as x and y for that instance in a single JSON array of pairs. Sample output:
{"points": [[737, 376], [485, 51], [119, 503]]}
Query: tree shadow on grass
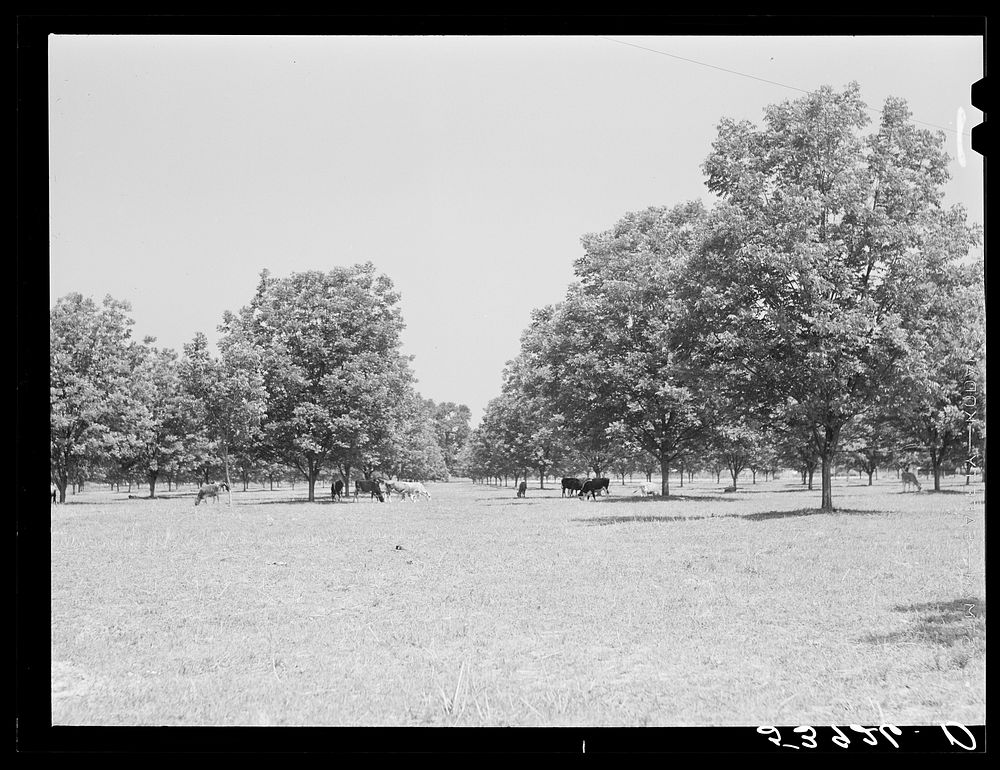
{"points": [[505, 502], [649, 499], [940, 623], [766, 516], [948, 491], [604, 521], [303, 501]]}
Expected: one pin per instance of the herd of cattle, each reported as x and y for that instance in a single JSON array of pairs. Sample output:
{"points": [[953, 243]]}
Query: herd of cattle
{"points": [[584, 488], [411, 490], [407, 490]]}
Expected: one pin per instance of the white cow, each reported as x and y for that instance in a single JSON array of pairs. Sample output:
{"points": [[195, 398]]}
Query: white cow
{"points": [[407, 489], [647, 488]]}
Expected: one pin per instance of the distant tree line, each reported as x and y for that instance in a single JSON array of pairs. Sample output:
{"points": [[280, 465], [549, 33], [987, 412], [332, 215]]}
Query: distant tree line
{"points": [[826, 312], [309, 383]]}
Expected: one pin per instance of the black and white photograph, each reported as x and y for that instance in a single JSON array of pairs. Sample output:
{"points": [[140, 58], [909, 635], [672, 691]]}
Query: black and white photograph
{"points": [[518, 380]]}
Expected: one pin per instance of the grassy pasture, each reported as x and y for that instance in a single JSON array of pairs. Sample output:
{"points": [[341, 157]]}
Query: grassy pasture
{"points": [[477, 608]]}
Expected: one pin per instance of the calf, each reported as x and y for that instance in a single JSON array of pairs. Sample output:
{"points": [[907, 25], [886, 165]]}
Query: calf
{"points": [[368, 485], [592, 486], [570, 483], [337, 490], [210, 490], [909, 478], [522, 489], [646, 488]]}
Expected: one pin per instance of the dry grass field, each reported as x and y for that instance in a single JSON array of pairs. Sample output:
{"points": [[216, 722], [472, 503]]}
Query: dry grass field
{"points": [[477, 608]]}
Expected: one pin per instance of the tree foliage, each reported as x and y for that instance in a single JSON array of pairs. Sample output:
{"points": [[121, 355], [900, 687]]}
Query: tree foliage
{"points": [[329, 343], [823, 237], [90, 359]]}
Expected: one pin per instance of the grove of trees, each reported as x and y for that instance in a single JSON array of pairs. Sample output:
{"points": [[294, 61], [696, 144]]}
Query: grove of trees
{"points": [[309, 380], [827, 310]]}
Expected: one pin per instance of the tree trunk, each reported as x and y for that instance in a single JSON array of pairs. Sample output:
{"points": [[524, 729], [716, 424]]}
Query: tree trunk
{"points": [[810, 472], [665, 477], [313, 474], [936, 466], [870, 477], [754, 475], [152, 484], [826, 460], [225, 472]]}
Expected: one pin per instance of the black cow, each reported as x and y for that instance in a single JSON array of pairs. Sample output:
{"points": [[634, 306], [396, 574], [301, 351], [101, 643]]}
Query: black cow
{"points": [[572, 484], [592, 486], [337, 489], [368, 485], [522, 489], [211, 490]]}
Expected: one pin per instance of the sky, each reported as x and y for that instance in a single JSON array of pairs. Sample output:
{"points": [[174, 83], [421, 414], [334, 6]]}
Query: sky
{"points": [[465, 168]]}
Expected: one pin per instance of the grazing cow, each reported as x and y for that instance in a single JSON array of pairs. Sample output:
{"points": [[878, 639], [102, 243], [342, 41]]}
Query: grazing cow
{"points": [[522, 489], [368, 485], [337, 490], [407, 489], [646, 488], [54, 491], [210, 490], [909, 478], [730, 489], [592, 486], [572, 484]]}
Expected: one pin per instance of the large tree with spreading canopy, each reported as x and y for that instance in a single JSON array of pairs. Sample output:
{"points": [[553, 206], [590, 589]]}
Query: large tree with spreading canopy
{"points": [[823, 236], [329, 343]]}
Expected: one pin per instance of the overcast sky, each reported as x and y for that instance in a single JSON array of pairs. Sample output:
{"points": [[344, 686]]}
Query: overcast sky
{"points": [[465, 168]]}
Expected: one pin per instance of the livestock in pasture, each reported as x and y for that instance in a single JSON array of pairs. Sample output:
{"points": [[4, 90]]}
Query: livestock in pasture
{"points": [[646, 488], [572, 484], [908, 479], [522, 489], [407, 489], [211, 490], [368, 485], [592, 486], [730, 489], [337, 489]]}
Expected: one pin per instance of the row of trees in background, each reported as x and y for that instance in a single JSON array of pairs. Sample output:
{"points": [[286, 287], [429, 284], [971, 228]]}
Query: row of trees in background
{"points": [[827, 307], [309, 380]]}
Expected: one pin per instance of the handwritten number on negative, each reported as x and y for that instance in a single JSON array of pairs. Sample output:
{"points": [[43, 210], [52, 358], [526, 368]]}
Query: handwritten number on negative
{"points": [[840, 739], [891, 729], [811, 738]]}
